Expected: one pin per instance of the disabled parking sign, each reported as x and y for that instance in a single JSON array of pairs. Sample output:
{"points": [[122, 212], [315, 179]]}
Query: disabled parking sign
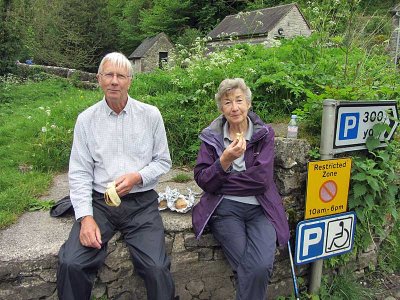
{"points": [[324, 237]]}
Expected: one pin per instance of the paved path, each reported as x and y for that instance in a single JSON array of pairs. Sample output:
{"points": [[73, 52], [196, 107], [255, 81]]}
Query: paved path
{"points": [[36, 234]]}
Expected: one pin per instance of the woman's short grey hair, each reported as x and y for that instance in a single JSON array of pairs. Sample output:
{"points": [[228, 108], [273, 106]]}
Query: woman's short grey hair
{"points": [[231, 84], [116, 59]]}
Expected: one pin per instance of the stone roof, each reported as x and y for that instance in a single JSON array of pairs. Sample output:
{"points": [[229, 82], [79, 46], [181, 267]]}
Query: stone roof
{"points": [[257, 22], [141, 50]]}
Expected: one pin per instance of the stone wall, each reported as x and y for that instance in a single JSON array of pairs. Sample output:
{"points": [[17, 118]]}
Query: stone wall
{"points": [[59, 71], [293, 24], [28, 249]]}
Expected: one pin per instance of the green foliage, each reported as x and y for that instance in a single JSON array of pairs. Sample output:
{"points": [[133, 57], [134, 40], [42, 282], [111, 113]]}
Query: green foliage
{"points": [[330, 16], [389, 251], [41, 205], [36, 123], [295, 77], [181, 177], [343, 287], [169, 16], [188, 37], [374, 193], [70, 33], [125, 17], [10, 37]]}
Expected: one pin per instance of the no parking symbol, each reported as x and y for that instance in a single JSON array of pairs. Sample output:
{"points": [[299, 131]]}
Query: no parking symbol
{"points": [[328, 191]]}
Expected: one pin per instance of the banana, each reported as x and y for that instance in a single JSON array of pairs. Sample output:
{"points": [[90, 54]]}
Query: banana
{"points": [[110, 196]]}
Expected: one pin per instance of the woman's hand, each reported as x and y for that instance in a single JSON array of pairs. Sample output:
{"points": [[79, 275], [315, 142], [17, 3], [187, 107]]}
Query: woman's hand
{"points": [[232, 152]]}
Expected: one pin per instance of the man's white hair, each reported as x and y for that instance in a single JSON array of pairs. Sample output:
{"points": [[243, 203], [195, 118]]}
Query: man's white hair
{"points": [[116, 59]]}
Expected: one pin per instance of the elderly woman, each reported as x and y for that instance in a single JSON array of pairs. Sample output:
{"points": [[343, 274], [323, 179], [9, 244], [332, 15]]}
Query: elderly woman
{"points": [[241, 203]]}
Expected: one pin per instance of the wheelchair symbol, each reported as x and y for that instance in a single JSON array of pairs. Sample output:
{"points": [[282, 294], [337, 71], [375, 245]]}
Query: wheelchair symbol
{"points": [[341, 238]]}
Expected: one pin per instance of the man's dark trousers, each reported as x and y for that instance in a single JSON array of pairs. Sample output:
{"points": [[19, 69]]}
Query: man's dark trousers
{"points": [[140, 223]]}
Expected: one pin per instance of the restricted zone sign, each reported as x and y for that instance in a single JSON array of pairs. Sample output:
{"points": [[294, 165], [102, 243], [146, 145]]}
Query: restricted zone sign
{"points": [[327, 187], [324, 237]]}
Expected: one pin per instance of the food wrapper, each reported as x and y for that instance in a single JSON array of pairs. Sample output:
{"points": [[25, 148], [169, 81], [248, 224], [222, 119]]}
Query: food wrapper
{"points": [[172, 196]]}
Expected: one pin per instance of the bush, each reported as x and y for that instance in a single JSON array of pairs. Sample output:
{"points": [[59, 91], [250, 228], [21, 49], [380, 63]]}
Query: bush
{"points": [[295, 77]]}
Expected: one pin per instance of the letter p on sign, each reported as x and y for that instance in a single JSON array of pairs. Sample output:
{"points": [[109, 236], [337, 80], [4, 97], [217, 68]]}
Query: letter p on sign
{"points": [[349, 126], [313, 240]]}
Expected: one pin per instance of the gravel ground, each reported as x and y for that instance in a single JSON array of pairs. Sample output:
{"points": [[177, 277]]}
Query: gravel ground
{"points": [[384, 286]]}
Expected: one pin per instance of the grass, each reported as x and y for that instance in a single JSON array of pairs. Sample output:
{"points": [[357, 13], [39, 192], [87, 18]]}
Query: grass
{"points": [[36, 123], [181, 178], [345, 287]]}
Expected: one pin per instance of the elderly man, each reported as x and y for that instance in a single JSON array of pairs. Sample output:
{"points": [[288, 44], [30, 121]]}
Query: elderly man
{"points": [[122, 141]]}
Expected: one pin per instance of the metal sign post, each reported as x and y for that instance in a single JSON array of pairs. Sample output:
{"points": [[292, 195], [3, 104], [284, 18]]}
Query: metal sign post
{"points": [[326, 151]]}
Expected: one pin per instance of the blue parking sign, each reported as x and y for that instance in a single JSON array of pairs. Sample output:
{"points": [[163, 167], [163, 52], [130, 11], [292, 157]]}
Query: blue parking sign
{"points": [[324, 237], [349, 126]]}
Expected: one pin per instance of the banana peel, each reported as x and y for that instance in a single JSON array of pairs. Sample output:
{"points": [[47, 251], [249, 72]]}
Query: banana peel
{"points": [[110, 196]]}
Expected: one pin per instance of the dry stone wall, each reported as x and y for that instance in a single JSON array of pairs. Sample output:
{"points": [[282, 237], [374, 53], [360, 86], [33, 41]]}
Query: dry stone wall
{"points": [[85, 79]]}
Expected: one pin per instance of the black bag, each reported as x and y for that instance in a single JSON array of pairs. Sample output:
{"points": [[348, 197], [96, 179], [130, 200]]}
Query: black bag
{"points": [[62, 207]]}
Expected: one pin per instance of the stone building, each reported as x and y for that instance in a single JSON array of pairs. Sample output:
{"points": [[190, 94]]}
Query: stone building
{"points": [[151, 53], [260, 26], [394, 43]]}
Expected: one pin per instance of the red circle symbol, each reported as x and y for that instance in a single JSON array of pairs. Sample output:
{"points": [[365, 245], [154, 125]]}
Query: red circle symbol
{"points": [[328, 191]]}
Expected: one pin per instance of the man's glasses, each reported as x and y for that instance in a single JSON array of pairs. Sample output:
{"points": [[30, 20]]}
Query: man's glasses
{"points": [[110, 76]]}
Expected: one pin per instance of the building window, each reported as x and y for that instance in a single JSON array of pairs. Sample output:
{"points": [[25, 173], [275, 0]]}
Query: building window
{"points": [[162, 59]]}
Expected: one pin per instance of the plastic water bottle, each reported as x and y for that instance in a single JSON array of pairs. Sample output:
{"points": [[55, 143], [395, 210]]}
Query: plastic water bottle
{"points": [[292, 128]]}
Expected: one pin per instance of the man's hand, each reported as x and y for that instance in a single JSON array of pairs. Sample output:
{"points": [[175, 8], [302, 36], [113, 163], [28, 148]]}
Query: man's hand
{"points": [[90, 235], [232, 152], [126, 182]]}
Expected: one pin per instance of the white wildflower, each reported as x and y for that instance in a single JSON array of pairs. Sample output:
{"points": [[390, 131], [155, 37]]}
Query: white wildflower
{"points": [[44, 129]]}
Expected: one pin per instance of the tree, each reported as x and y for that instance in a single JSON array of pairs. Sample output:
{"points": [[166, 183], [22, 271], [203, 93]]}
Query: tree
{"points": [[126, 16], [10, 41], [169, 16], [87, 33], [70, 33]]}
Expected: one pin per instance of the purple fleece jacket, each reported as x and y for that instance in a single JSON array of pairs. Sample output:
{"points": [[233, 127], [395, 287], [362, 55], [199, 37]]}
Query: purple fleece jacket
{"points": [[256, 180]]}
